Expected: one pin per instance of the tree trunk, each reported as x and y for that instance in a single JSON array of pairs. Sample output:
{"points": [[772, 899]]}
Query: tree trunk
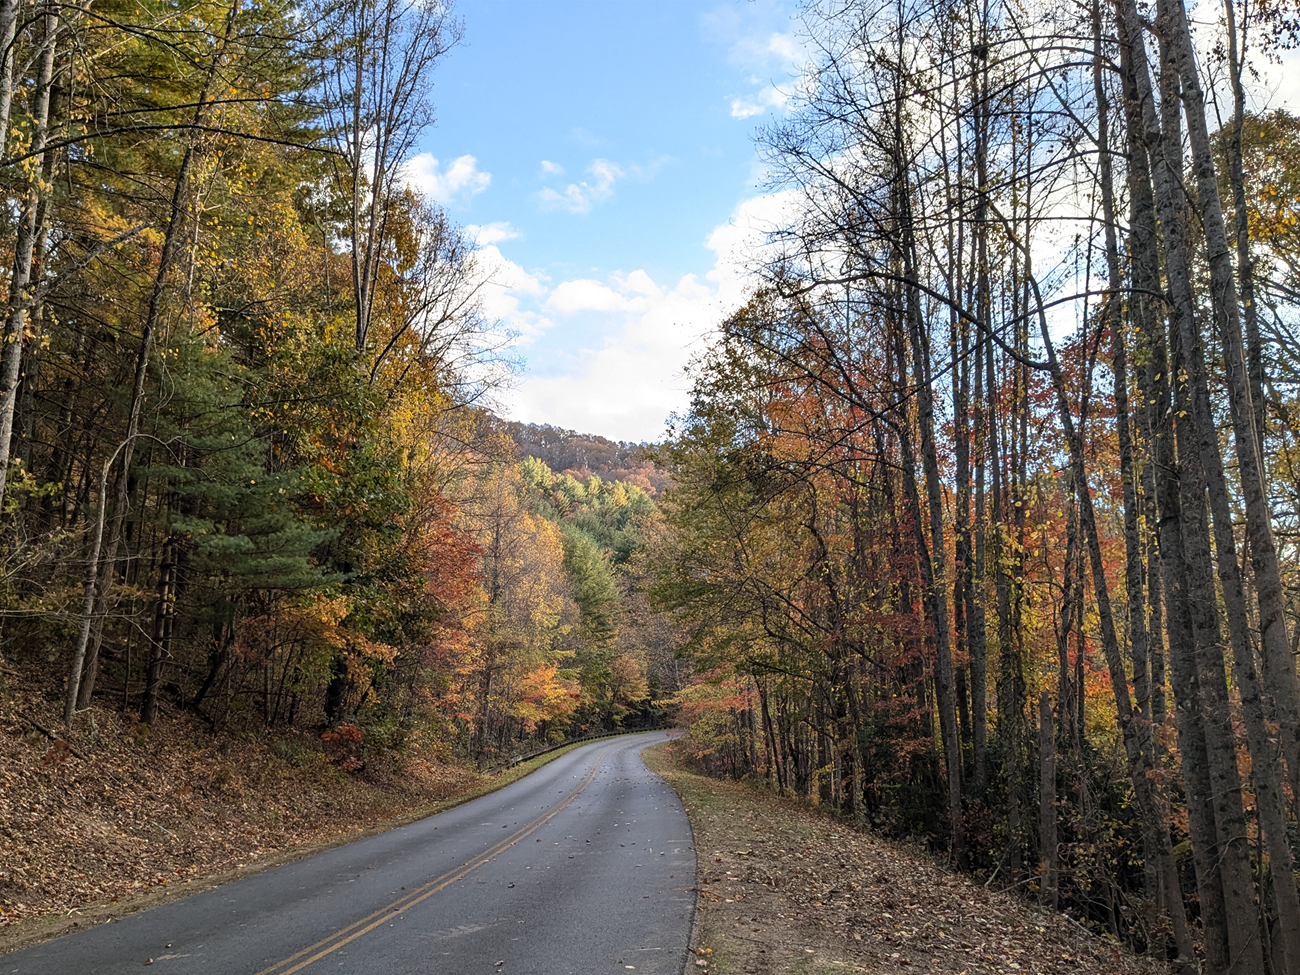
{"points": [[1241, 222], [976, 620], [87, 597], [935, 598], [945, 677], [976, 615], [1155, 596], [30, 229], [1279, 664], [1138, 641], [164, 611], [9, 10], [1047, 856]]}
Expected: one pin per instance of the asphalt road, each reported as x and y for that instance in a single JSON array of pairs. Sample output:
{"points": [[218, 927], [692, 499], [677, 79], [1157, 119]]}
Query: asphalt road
{"points": [[585, 867]]}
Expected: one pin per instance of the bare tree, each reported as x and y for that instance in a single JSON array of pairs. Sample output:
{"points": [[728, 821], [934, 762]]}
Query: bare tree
{"points": [[376, 61]]}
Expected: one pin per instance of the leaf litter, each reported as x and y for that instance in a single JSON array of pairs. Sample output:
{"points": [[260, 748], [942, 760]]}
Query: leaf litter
{"points": [[784, 888], [104, 823]]}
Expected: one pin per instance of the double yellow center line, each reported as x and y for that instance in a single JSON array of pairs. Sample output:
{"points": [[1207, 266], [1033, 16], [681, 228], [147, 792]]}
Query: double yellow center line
{"points": [[335, 941]]}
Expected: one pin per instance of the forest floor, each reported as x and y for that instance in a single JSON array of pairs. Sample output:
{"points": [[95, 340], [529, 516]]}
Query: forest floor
{"points": [[784, 888], [123, 817]]}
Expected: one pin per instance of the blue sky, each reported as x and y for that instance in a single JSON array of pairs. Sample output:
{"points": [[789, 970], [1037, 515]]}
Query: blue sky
{"points": [[602, 152]]}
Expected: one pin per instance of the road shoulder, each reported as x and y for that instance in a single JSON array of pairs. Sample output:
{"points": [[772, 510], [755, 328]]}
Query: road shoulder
{"points": [[785, 889]]}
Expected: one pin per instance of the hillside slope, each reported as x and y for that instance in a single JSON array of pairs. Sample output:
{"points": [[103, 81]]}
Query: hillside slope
{"points": [[785, 889], [584, 454], [119, 816]]}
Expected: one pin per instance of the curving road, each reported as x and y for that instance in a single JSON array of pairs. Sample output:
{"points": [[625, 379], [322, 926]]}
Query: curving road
{"points": [[584, 867]]}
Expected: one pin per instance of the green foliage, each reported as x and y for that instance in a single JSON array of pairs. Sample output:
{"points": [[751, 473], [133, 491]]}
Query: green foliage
{"points": [[610, 513], [597, 596], [238, 517], [299, 528]]}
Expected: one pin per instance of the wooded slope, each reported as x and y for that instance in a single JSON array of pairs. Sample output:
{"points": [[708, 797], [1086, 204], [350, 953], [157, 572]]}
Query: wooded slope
{"points": [[983, 513]]}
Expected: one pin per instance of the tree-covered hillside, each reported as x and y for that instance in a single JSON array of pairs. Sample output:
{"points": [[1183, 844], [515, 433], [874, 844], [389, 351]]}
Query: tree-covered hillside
{"points": [[584, 454], [249, 468]]}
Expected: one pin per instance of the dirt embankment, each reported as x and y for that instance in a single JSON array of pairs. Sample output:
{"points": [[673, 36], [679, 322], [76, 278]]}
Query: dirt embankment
{"points": [[784, 889], [122, 816]]}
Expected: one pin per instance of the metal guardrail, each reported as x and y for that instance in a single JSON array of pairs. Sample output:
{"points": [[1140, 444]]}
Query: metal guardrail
{"points": [[511, 763]]}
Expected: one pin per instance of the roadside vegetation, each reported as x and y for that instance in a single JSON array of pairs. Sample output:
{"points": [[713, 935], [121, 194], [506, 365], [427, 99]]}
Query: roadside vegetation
{"points": [[784, 888], [249, 467], [270, 566]]}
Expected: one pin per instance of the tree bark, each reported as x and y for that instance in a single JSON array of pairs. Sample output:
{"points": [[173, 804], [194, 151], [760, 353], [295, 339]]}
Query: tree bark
{"points": [[1279, 664], [976, 615], [30, 229], [164, 612], [1241, 221], [1047, 857], [9, 10]]}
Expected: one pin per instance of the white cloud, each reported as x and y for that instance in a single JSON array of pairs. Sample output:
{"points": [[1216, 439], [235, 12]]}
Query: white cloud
{"points": [[739, 244], [1277, 85], [757, 104], [772, 60], [456, 184], [581, 197], [508, 275], [1270, 81], [551, 169], [586, 295], [639, 283], [492, 233], [777, 50], [627, 384], [513, 295], [627, 387], [759, 35], [786, 49]]}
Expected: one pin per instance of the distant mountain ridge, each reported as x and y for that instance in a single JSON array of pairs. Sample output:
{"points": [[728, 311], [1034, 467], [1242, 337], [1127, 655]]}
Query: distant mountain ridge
{"points": [[585, 454]]}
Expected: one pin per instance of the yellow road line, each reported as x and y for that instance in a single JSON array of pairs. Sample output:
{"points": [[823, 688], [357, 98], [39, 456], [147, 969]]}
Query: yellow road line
{"points": [[372, 921]]}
